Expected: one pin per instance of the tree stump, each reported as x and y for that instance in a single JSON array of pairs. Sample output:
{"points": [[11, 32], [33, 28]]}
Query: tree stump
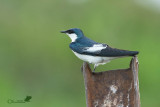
{"points": [[113, 88]]}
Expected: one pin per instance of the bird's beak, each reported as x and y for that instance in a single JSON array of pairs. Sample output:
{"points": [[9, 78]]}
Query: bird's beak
{"points": [[63, 31]]}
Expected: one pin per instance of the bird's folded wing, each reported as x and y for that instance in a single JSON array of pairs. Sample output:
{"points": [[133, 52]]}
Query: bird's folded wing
{"points": [[102, 50]]}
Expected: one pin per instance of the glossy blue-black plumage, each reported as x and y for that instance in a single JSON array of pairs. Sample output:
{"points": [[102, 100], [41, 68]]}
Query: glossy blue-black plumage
{"points": [[82, 43]]}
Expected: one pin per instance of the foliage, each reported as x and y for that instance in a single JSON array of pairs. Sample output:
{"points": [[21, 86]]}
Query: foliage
{"points": [[35, 58]]}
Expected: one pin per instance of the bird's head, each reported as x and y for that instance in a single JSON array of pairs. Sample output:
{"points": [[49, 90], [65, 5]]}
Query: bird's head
{"points": [[74, 33]]}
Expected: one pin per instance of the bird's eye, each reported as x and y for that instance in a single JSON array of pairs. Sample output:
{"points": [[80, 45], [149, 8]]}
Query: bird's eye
{"points": [[70, 31]]}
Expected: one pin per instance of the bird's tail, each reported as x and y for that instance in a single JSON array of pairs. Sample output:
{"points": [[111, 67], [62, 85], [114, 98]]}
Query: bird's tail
{"points": [[132, 53], [113, 52]]}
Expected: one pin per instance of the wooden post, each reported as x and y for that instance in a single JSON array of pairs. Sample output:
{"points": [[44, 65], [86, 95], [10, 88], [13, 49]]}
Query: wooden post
{"points": [[114, 88]]}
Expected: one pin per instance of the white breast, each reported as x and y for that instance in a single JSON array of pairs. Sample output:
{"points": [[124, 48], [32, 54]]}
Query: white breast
{"points": [[93, 59]]}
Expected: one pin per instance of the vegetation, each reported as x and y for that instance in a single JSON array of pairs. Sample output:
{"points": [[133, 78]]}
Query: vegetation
{"points": [[35, 59]]}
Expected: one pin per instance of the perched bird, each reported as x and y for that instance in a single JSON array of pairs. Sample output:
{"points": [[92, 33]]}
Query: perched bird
{"points": [[93, 52]]}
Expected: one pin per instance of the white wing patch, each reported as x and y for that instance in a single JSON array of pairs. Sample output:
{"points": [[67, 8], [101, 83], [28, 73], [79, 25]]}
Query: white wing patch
{"points": [[95, 48]]}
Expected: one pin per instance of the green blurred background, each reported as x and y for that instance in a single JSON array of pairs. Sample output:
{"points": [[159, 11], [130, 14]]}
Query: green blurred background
{"points": [[35, 58]]}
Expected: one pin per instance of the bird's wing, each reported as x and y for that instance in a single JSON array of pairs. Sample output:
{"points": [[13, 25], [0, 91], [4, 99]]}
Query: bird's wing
{"points": [[96, 48], [113, 52], [102, 50]]}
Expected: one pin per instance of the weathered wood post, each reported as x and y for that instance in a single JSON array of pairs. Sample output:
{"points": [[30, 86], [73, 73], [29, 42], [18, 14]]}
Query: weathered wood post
{"points": [[114, 88]]}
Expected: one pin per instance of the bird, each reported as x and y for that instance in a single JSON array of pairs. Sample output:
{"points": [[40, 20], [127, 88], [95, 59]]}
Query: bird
{"points": [[94, 52]]}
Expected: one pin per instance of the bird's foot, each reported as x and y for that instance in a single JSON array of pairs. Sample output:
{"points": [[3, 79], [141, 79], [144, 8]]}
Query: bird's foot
{"points": [[95, 65]]}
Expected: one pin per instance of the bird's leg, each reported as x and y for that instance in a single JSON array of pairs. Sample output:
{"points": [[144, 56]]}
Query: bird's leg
{"points": [[95, 65]]}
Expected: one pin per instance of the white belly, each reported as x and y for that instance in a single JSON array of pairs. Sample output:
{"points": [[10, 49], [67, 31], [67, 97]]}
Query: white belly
{"points": [[94, 59]]}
